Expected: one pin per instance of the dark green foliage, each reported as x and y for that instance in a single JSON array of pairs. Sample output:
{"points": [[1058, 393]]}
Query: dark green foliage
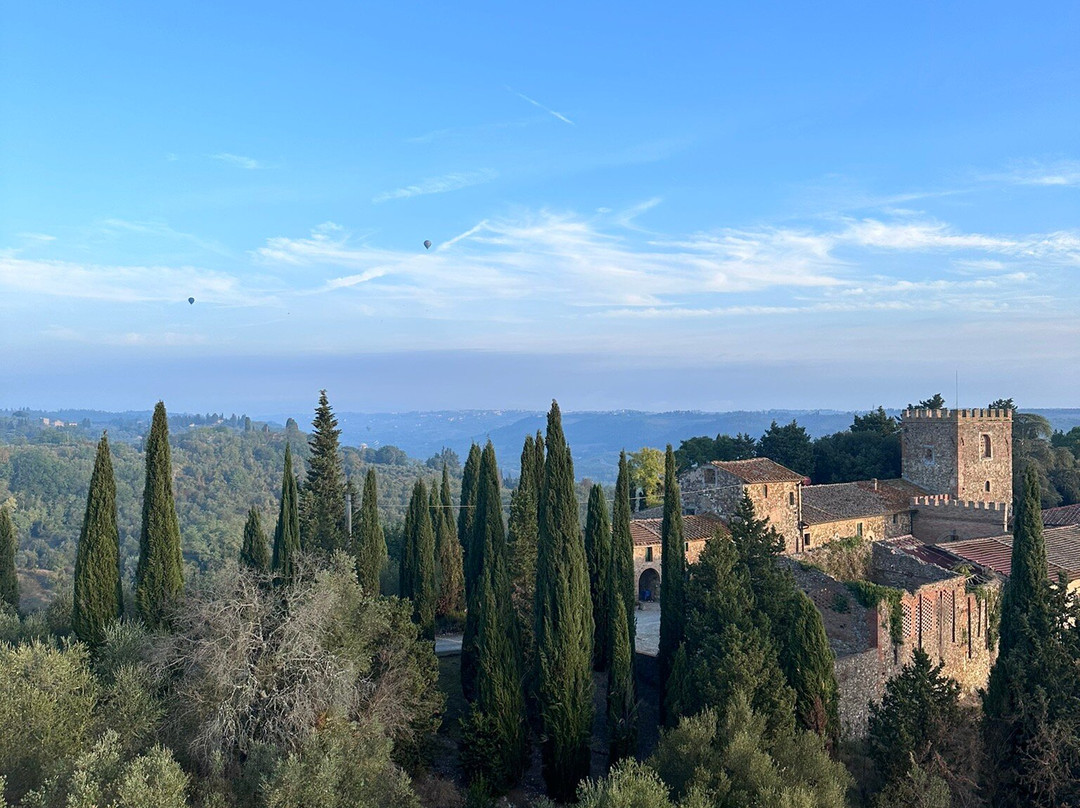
{"points": [[877, 421], [449, 573], [698, 451], [9, 579], [253, 552], [935, 402], [323, 522], [159, 576], [622, 551], [916, 789], [1032, 725], [672, 588], [494, 743], [856, 455], [99, 596], [598, 553], [287, 532], [470, 564], [808, 664], [368, 538], [621, 697], [788, 445], [920, 709], [564, 629], [417, 580], [870, 595], [522, 538], [466, 508]]}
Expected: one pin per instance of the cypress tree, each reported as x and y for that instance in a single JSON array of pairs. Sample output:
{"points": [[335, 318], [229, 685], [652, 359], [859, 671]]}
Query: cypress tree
{"points": [[418, 566], [494, 738], [9, 578], [466, 521], [287, 532], [523, 534], [1025, 601], [598, 553], [564, 625], [537, 466], [449, 574], [621, 699], [323, 523], [622, 553], [809, 666], [369, 539], [99, 595], [253, 552], [672, 588], [159, 575]]}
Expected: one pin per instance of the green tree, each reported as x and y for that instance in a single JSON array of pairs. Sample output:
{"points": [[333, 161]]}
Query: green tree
{"points": [[466, 508], [701, 450], [630, 785], [418, 561], [99, 595], [470, 564], [1025, 603], [522, 539], [808, 664], [159, 576], [253, 550], [9, 578], [918, 712], [623, 581], [370, 551], [647, 474], [788, 445], [621, 697], [494, 742], [323, 522], [564, 629], [935, 402], [287, 532], [672, 589], [877, 421], [449, 573], [598, 553], [916, 789]]}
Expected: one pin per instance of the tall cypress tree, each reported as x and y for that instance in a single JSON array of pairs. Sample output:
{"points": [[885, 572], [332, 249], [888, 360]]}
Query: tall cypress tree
{"points": [[323, 523], [495, 731], [622, 552], [1025, 603], [467, 506], [621, 699], [672, 589], [466, 521], [369, 540], [253, 552], [598, 553], [537, 466], [99, 595], [9, 578], [159, 575], [564, 624], [808, 663], [449, 573], [287, 532], [418, 569], [522, 537]]}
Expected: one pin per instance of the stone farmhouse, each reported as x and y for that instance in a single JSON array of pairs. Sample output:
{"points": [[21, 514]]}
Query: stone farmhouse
{"points": [[921, 584]]}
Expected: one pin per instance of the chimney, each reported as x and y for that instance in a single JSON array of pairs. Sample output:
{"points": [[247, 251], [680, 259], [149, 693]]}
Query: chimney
{"points": [[875, 483]]}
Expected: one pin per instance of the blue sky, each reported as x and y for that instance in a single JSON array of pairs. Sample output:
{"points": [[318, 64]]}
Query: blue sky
{"points": [[631, 205]]}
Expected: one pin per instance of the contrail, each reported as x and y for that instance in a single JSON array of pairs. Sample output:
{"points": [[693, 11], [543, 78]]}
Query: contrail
{"points": [[536, 103]]}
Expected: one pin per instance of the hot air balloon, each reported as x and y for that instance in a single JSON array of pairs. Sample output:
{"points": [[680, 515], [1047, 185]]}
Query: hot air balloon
{"points": [[427, 245], [191, 301]]}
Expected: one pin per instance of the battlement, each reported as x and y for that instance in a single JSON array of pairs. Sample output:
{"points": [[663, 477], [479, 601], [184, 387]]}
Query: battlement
{"points": [[955, 415], [946, 501]]}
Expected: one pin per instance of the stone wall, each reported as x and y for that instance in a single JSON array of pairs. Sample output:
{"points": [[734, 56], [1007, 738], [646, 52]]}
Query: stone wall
{"points": [[647, 557], [940, 519], [873, 528], [985, 456], [898, 524], [720, 492]]}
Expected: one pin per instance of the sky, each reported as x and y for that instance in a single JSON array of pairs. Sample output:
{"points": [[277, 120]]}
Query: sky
{"points": [[630, 205]]}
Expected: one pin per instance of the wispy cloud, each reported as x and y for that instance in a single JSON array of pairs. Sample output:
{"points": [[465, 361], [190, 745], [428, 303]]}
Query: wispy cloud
{"points": [[238, 160], [439, 185], [537, 104], [1047, 174]]}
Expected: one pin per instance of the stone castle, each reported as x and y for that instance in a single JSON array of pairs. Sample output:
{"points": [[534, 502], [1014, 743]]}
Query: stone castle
{"points": [[955, 489]]}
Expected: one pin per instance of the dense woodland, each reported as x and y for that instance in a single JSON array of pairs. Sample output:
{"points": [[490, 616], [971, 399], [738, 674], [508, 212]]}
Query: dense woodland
{"points": [[276, 670]]}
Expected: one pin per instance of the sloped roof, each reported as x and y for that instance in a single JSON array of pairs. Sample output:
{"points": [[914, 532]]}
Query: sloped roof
{"points": [[1058, 517], [759, 470], [895, 494], [1062, 552], [695, 528], [831, 503]]}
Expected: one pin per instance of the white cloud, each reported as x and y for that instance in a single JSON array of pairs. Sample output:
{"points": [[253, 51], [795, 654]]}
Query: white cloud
{"points": [[238, 160], [548, 110], [1056, 173], [439, 185]]}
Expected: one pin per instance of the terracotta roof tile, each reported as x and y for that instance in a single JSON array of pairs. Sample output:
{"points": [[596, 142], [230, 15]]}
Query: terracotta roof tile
{"points": [[695, 528], [1062, 551], [831, 503], [759, 470], [895, 494], [1065, 515]]}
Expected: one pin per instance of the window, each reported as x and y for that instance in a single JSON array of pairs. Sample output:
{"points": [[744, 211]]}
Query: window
{"points": [[896, 518], [791, 498], [710, 476], [686, 547], [928, 454], [648, 554], [858, 530], [766, 491], [987, 452], [988, 486], [806, 540]]}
